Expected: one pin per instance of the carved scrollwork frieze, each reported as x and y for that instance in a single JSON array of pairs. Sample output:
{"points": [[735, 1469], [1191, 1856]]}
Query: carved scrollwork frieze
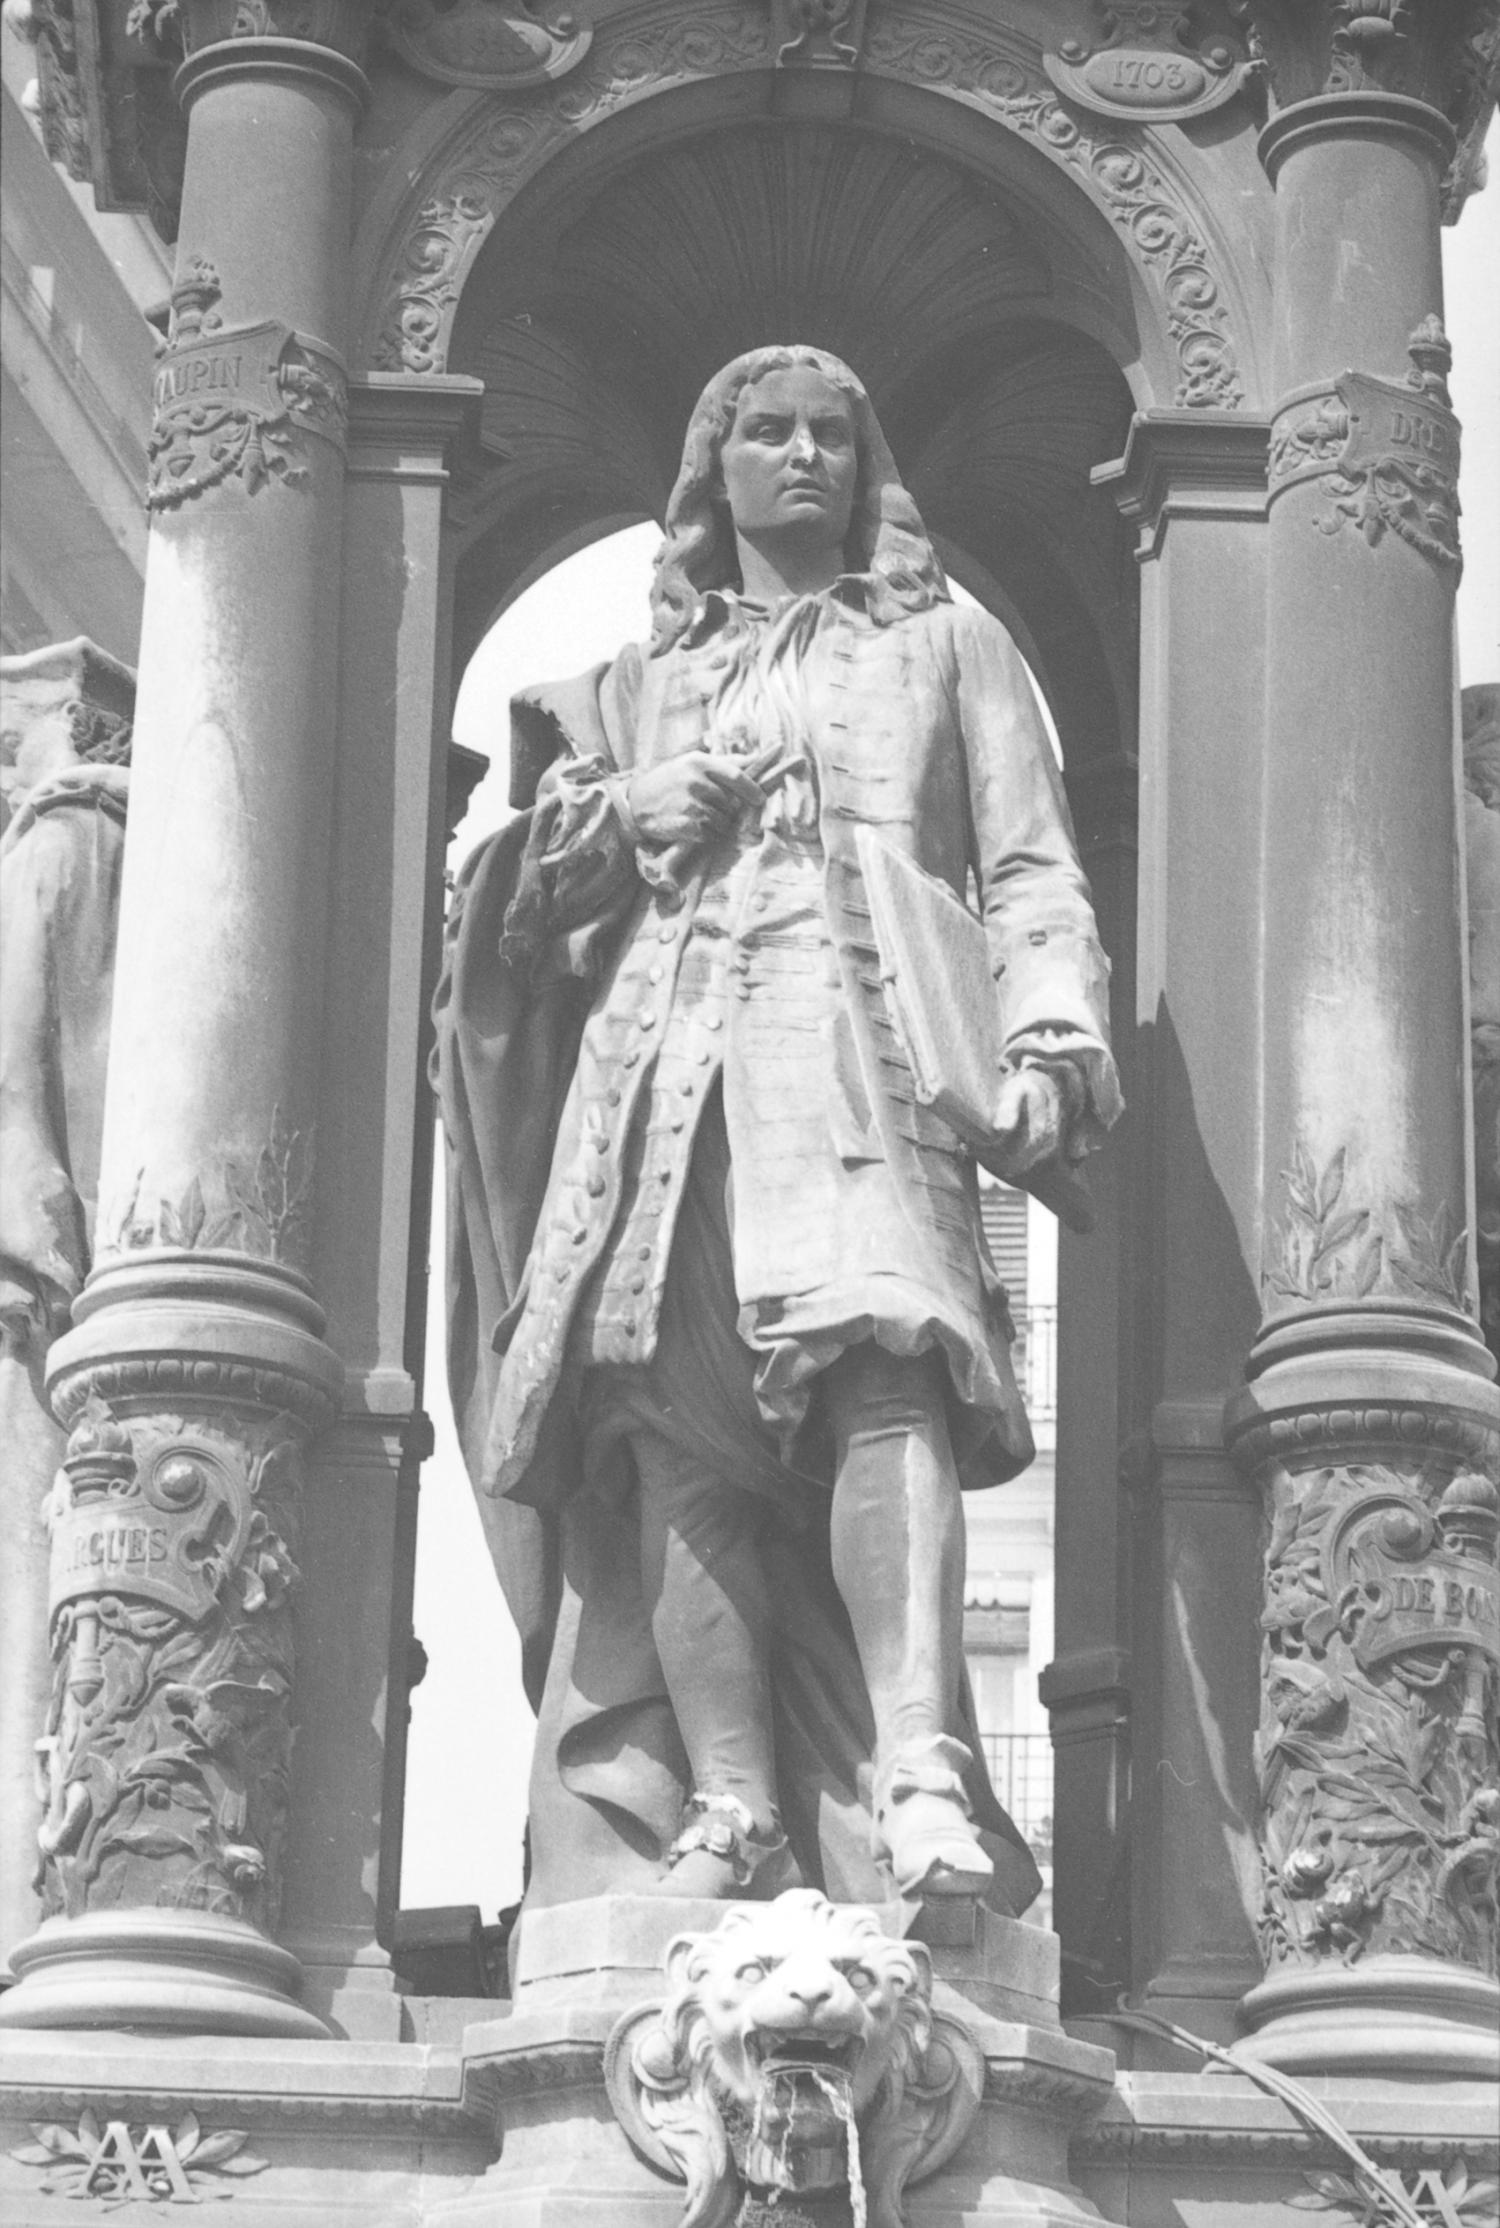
{"points": [[163, 1766], [1136, 190], [451, 225]]}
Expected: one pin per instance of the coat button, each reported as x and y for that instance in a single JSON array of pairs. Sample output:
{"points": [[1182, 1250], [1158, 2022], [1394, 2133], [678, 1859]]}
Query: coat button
{"points": [[638, 1284], [653, 974], [596, 1187]]}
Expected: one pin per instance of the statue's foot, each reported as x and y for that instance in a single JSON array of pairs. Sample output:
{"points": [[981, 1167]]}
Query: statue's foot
{"points": [[722, 1855], [923, 1826]]}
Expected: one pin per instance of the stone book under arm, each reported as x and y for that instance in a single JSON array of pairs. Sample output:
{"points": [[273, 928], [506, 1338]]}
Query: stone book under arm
{"points": [[939, 985]]}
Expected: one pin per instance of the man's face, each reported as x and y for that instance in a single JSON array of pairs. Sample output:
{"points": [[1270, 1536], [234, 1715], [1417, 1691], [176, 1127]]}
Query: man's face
{"points": [[789, 460]]}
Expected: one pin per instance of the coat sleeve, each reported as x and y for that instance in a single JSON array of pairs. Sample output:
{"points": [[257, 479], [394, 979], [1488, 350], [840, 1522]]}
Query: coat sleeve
{"points": [[1051, 975], [569, 761]]}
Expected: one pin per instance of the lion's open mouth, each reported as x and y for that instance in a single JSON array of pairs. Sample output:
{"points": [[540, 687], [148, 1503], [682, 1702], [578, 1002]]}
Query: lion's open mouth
{"points": [[812, 2053]]}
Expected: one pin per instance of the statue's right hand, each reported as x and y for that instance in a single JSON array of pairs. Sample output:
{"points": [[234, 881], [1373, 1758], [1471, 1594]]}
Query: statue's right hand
{"points": [[689, 799]]}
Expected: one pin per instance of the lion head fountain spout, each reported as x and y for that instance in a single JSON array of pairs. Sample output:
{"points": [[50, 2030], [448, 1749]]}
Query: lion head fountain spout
{"points": [[796, 2054]]}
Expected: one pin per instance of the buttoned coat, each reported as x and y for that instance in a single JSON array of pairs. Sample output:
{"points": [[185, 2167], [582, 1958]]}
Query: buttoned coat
{"points": [[856, 1211]]}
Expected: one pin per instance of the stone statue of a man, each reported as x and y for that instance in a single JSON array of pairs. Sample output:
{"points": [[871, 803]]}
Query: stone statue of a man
{"points": [[726, 1341]]}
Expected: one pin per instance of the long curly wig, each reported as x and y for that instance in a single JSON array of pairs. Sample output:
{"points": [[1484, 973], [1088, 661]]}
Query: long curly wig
{"points": [[887, 543]]}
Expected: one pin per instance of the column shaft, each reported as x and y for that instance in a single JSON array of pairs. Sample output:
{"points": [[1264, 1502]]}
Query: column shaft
{"points": [[1369, 1421], [196, 1370]]}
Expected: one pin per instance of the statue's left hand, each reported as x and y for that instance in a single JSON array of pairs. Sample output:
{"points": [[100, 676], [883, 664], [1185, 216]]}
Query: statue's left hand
{"points": [[1031, 1119]]}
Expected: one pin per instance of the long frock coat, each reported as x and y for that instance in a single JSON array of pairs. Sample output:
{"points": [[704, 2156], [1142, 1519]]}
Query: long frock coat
{"points": [[596, 992]]}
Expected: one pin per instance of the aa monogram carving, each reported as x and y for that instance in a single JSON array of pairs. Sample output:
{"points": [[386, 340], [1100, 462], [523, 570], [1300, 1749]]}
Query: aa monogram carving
{"points": [[163, 1765], [1136, 190], [1376, 1755], [119, 2164]]}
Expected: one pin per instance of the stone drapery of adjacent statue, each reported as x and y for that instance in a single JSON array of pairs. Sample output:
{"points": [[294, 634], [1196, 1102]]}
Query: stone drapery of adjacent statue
{"points": [[1481, 707], [693, 1194], [65, 713]]}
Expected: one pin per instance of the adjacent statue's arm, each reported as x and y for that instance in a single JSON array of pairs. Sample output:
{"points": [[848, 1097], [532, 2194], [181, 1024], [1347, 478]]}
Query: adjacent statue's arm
{"points": [[1051, 976]]}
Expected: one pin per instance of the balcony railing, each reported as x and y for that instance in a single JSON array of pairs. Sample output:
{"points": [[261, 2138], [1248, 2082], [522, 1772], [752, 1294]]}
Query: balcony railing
{"points": [[1035, 1354], [1020, 1769]]}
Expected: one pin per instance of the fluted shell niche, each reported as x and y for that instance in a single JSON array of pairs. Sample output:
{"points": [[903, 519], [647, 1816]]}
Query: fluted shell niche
{"points": [[596, 314]]}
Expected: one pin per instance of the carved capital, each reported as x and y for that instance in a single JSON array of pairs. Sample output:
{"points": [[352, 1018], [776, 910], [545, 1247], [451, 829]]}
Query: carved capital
{"points": [[1445, 53], [103, 95], [190, 25]]}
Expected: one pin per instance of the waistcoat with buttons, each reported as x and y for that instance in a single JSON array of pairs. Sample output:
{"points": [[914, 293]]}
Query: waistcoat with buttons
{"points": [[854, 1210]]}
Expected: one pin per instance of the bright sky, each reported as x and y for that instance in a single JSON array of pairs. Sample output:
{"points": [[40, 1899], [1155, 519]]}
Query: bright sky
{"points": [[471, 1729]]}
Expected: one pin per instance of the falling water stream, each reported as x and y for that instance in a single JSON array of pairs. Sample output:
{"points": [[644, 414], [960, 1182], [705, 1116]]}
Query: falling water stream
{"points": [[782, 2090], [838, 2095]]}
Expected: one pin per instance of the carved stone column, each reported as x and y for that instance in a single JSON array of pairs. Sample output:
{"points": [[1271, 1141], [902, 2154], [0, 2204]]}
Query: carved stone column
{"points": [[196, 1370], [1370, 1420]]}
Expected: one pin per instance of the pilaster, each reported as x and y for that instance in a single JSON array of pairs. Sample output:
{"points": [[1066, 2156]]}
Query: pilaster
{"points": [[1184, 1555], [197, 1374], [371, 1231]]}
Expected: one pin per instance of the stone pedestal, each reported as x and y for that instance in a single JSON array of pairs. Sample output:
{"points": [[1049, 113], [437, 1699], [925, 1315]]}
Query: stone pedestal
{"points": [[565, 2162]]}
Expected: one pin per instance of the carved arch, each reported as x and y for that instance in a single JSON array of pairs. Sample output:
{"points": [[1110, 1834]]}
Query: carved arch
{"points": [[471, 155]]}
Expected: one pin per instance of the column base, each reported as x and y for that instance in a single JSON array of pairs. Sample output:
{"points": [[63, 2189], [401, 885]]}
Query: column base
{"points": [[1397, 2016], [179, 1971]]}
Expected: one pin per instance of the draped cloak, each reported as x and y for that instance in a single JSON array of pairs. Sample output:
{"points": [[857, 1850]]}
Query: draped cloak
{"points": [[596, 991]]}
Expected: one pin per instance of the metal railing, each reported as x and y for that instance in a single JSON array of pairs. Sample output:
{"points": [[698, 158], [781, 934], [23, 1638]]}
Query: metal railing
{"points": [[1020, 1769], [1035, 1353]]}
